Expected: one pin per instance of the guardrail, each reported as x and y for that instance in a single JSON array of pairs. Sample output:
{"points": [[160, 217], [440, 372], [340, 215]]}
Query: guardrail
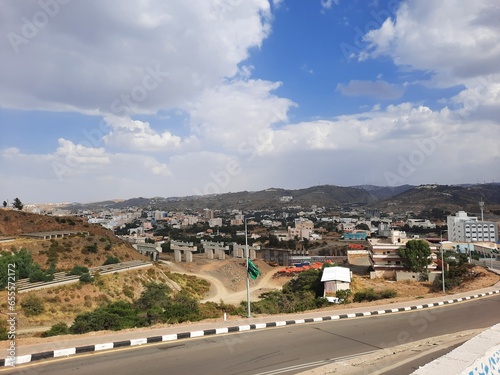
{"points": [[60, 278]]}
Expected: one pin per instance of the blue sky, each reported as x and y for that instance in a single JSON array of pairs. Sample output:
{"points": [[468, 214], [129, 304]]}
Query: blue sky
{"points": [[106, 100]]}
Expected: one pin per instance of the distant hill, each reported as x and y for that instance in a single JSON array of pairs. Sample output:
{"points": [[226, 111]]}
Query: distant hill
{"points": [[398, 198], [452, 198]]}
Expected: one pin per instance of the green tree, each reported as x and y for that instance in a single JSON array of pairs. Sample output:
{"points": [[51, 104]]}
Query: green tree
{"points": [[362, 226], [18, 204], [416, 256], [4, 204]]}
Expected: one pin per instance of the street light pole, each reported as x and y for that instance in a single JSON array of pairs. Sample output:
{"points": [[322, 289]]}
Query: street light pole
{"points": [[442, 260], [249, 315]]}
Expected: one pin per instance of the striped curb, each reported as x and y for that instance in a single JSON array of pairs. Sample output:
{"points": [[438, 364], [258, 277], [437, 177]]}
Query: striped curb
{"points": [[218, 331]]}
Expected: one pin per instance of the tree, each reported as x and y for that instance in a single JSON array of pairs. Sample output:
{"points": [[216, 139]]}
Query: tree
{"points": [[4, 204], [416, 256], [18, 204], [362, 226]]}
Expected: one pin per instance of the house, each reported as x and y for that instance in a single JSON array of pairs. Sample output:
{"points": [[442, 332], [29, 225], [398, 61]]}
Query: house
{"points": [[335, 278], [384, 256]]}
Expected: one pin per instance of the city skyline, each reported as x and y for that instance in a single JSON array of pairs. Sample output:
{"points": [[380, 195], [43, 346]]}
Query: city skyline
{"points": [[102, 100]]}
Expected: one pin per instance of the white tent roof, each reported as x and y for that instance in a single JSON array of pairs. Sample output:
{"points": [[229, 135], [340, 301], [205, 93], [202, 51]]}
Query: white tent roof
{"points": [[336, 274]]}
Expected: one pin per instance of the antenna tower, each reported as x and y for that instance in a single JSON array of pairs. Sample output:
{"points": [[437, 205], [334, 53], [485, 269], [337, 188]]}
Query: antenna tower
{"points": [[481, 206]]}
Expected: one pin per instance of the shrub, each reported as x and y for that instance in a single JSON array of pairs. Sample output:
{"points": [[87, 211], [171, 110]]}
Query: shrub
{"points": [[90, 249], [344, 295], [39, 275], [86, 278], [111, 260], [32, 305], [56, 330], [78, 270], [371, 295]]}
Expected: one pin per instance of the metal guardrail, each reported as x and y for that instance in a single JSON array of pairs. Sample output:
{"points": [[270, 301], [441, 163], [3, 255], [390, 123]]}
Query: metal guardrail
{"points": [[24, 285]]}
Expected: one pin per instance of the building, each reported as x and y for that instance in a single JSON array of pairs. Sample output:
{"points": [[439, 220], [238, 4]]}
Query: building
{"points": [[358, 235], [335, 278], [424, 223], [384, 257], [215, 222], [464, 228], [279, 256], [303, 229]]}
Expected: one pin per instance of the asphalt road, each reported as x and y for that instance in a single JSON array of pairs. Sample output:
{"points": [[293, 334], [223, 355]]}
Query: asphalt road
{"points": [[285, 350]]}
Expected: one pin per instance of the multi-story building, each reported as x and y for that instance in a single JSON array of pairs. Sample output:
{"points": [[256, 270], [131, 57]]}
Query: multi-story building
{"points": [[384, 256], [464, 228]]}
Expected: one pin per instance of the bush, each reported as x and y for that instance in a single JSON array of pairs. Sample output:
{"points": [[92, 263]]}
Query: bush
{"points": [[115, 316], [344, 295], [86, 278], [32, 305], [90, 249], [56, 330], [371, 295], [39, 275], [78, 271], [111, 260]]}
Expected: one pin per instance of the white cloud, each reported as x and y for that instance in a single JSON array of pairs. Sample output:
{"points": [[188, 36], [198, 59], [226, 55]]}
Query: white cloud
{"points": [[455, 40], [233, 114], [103, 57], [137, 135], [375, 89]]}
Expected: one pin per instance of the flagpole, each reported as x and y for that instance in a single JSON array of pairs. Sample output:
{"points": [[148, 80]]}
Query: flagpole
{"points": [[249, 315]]}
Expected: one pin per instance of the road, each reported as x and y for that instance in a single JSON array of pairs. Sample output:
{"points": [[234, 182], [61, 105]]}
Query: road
{"points": [[488, 262], [285, 350]]}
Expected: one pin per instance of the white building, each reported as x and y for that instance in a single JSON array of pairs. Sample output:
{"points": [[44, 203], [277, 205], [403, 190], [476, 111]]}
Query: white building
{"points": [[424, 223], [463, 228], [215, 222]]}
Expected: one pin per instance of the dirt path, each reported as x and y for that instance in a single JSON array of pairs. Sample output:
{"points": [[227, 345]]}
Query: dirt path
{"points": [[219, 292]]}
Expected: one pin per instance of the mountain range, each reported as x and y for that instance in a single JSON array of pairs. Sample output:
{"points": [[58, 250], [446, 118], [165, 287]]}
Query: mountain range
{"points": [[397, 199]]}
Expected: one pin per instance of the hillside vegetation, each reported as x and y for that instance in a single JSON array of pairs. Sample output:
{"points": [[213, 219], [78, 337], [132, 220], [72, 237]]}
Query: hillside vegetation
{"points": [[90, 250]]}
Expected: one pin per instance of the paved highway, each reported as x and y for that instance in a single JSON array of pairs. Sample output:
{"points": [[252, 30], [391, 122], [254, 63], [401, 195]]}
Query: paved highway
{"points": [[285, 350]]}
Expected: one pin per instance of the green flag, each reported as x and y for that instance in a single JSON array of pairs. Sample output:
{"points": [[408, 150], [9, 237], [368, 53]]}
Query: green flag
{"points": [[253, 270]]}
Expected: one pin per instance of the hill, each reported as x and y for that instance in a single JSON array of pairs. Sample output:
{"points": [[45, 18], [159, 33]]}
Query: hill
{"points": [[452, 198], [90, 249], [397, 199]]}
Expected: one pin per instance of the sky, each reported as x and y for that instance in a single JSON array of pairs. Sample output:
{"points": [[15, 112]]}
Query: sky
{"points": [[113, 100]]}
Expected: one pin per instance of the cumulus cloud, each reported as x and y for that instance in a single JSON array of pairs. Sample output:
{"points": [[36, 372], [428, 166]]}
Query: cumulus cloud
{"points": [[456, 41], [102, 57], [137, 135]]}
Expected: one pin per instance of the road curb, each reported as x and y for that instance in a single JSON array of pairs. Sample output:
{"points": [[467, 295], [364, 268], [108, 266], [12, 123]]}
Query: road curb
{"points": [[10, 362]]}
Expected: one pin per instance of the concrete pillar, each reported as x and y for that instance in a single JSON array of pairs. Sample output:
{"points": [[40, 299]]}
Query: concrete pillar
{"points": [[177, 256], [252, 253], [222, 254], [238, 253], [210, 253], [189, 256]]}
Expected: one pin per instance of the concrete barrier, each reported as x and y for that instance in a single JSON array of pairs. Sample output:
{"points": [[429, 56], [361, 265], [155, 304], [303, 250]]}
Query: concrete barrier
{"points": [[480, 355]]}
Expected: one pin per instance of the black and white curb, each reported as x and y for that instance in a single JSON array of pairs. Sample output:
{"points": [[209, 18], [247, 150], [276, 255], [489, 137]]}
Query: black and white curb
{"points": [[217, 331]]}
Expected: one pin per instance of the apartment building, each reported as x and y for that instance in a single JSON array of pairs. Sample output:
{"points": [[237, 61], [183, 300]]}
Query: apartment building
{"points": [[464, 228]]}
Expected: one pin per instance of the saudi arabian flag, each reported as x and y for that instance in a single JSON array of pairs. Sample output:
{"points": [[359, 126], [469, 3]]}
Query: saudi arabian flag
{"points": [[253, 270]]}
